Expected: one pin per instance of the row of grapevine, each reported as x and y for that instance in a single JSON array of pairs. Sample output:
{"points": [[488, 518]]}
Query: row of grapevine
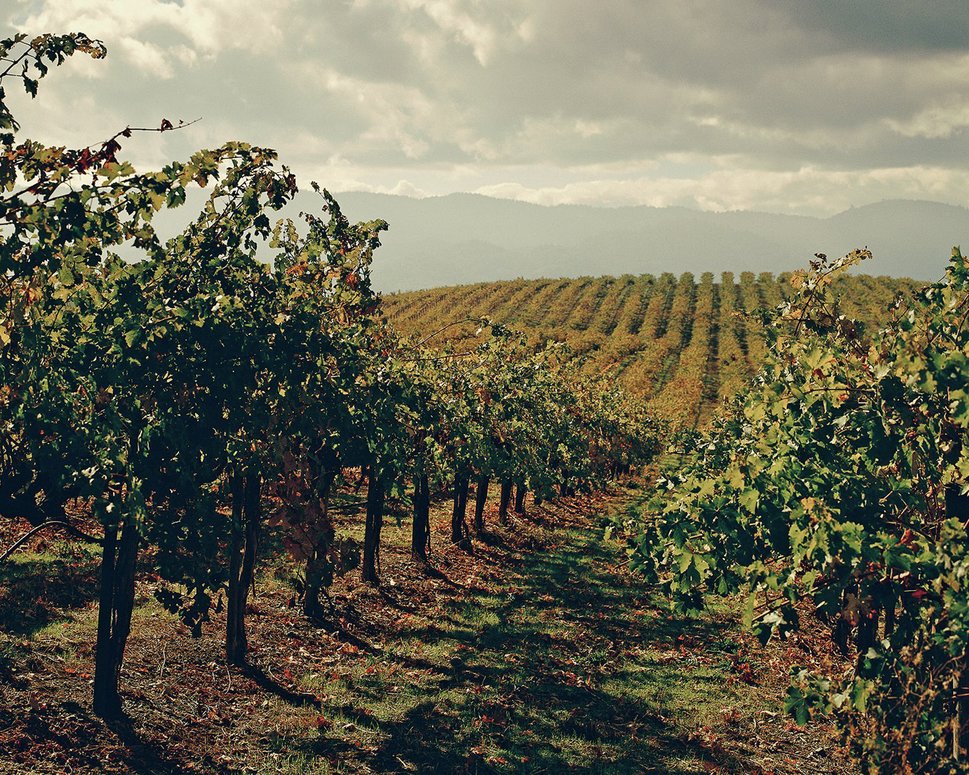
{"points": [[200, 397], [673, 330], [514, 294], [837, 486], [733, 361], [682, 394], [529, 316], [620, 326], [430, 305], [560, 311], [587, 307], [711, 376], [750, 298], [623, 340], [614, 305]]}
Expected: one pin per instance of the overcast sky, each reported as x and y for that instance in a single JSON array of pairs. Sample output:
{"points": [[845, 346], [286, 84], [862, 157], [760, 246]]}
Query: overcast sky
{"points": [[802, 106]]}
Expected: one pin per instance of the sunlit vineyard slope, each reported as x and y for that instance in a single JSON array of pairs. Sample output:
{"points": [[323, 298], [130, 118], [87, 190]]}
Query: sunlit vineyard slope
{"points": [[685, 342]]}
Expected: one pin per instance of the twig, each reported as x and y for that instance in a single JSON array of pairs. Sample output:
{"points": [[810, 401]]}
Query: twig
{"points": [[54, 522]]}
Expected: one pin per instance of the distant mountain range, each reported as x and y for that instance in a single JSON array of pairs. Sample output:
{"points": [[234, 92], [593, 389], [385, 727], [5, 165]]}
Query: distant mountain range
{"points": [[464, 238]]}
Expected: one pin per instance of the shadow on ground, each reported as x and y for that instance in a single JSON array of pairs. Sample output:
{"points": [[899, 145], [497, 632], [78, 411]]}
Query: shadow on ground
{"points": [[550, 674]]}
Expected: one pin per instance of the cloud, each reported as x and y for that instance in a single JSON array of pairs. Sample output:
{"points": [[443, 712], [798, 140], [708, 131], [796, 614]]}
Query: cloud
{"points": [[402, 188], [808, 191], [148, 57], [406, 188], [448, 15], [208, 26], [549, 99], [935, 121]]}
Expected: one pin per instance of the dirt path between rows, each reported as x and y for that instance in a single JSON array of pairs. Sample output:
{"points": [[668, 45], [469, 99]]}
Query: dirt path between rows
{"points": [[537, 653]]}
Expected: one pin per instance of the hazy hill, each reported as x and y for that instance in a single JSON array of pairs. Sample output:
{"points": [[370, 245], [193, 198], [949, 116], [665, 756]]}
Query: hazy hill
{"points": [[466, 238]]}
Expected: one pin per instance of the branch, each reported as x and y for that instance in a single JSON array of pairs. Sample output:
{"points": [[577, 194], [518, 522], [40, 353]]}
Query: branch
{"points": [[166, 126], [52, 523], [435, 358], [480, 321], [14, 62], [105, 153]]}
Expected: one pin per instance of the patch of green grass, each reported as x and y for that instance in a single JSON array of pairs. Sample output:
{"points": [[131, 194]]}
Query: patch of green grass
{"points": [[37, 589], [580, 670], [280, 763]]}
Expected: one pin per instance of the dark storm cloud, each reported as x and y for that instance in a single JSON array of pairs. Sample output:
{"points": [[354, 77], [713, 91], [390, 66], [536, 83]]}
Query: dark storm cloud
{"points": [[880, 25]]}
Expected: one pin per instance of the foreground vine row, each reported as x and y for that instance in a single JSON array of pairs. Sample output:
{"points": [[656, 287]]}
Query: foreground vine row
{"points": [[836, 487], [202, 397]]}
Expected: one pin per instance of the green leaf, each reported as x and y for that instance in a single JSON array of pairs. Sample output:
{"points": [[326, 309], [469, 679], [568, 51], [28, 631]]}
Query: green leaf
{"points": [[749, 499]]}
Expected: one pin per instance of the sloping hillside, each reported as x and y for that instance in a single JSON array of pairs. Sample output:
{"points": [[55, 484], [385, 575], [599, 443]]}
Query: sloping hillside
{"points": [[684, 342]]}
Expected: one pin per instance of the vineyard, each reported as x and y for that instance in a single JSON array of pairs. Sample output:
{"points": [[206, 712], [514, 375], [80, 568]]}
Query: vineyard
{"points": [[685, 343], [195, 420], [255, 518]]}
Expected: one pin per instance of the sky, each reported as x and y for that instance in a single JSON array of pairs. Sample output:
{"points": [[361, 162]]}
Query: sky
{"points": [[791, 106]]}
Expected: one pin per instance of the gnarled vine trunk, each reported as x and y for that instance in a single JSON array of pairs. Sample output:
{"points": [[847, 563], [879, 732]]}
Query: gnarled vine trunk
{"points": [[116, 601], [420, 539], [503, 502], [372, 527], [246, 515], [480, 499], [317, 571], [520, 492], [459, 528]]}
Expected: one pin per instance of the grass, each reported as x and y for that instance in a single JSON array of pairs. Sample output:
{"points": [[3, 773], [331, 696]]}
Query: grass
{"points": [[539, 653], [568, 665]]}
